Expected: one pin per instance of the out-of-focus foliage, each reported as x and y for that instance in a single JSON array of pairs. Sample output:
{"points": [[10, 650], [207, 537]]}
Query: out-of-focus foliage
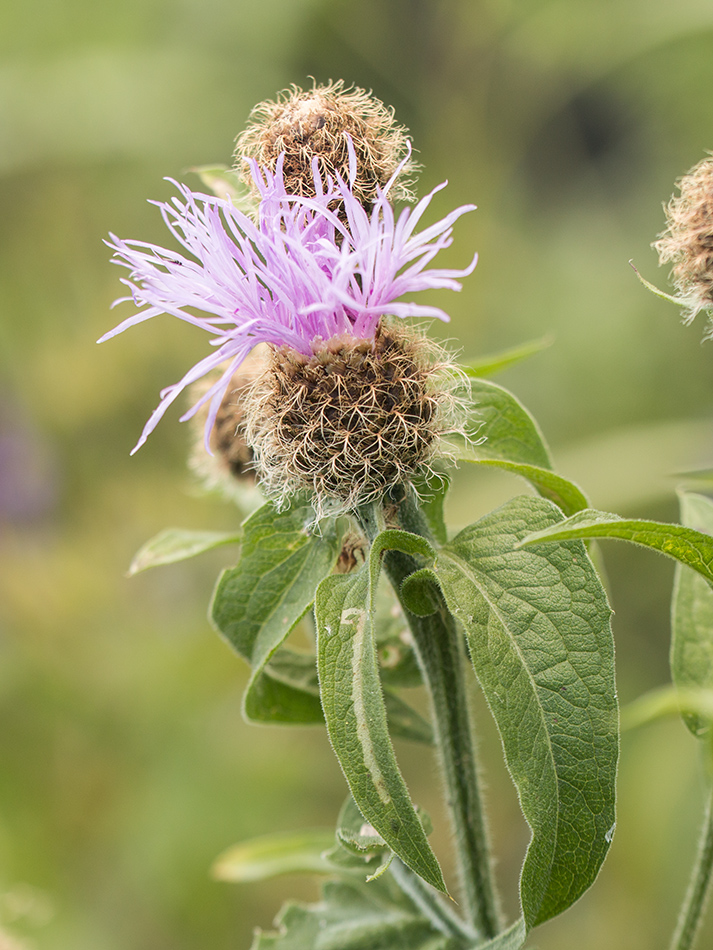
{"points": [[125, 766]]}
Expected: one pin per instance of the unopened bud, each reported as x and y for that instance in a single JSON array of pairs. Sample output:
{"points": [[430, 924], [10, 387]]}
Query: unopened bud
{"points": [[231, 463], [318, 124]]}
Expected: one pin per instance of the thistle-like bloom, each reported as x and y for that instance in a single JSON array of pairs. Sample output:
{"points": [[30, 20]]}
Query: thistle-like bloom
{"points": [[687, 241], [297, 276]]}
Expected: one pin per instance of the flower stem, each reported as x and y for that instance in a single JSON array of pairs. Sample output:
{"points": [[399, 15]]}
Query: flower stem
{"points": [[694, 904], [441, 655], [430, 904]]}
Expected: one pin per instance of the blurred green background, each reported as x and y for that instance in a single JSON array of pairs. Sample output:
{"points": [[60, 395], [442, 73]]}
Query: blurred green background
{"points": [[125, 767]]}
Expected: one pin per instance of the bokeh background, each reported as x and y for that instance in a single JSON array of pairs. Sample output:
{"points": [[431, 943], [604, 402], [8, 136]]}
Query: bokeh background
{"points": [[125, 766]]}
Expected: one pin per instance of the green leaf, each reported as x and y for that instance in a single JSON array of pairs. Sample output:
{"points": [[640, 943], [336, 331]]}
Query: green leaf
{"points": [[354, 707], [684, 544], [507, 430], [259, 601], [394, 642], [667, 701], [300, 702], [539, 634], [405, 722], [420, 593], [679, 301], [497, 362], [355, 834], [565, 494], [433, 496], [225, 182], [178, 544], [692, 616], [352, 917], [285, 691], [270, 855]]}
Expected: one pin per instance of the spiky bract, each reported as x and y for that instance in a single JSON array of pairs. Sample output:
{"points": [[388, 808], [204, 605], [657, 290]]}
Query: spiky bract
{"points": [[687, 242], [318, 123], [354, 420]]}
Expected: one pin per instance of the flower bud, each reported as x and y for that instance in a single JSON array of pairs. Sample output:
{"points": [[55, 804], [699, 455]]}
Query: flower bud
{"points": [[687, 242], [318, 124], [229, 464]]}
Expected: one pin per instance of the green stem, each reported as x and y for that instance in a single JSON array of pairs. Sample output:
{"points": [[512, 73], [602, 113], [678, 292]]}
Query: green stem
{"points": [[694, 904], [440, 651], [430, 905]]}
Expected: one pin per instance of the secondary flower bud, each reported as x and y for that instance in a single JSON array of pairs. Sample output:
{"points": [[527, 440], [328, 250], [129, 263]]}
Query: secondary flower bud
{"points": [[687, 242], [318, 124], [230, 459]]}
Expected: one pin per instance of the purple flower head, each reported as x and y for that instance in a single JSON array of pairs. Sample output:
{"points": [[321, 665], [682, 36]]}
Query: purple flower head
{"points": [[297, 275]]}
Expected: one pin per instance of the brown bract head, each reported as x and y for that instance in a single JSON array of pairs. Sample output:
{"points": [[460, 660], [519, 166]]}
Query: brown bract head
{"points": [[315, 124], [687, 242], [231, 463], [353, 421]]}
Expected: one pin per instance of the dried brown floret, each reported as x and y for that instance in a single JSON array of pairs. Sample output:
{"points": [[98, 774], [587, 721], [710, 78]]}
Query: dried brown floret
{"points": [[316, 123]]}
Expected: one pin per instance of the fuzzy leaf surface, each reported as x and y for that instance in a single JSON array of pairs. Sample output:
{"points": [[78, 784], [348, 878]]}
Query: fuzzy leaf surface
{"points": [[288, 692], [178, 544], [352, 917], [507, 429], [692, 616], [565, 494], [690, 547], [539, 635], [354, 707], [258, 602]]}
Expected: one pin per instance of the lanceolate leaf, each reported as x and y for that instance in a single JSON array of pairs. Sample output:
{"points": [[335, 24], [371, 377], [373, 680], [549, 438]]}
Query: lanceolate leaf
{"points": [[288, 692], [686, 545], [270, 855], [497, 362], [565, 494], [178, 544], [257, 602], [537, 623], [692, 616], [354, 706], [507, 430]]}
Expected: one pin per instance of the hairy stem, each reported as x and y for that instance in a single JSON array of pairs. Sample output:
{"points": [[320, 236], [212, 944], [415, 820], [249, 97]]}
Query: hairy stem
{"points": [[440, 651], [694, 904], [430, 903]]}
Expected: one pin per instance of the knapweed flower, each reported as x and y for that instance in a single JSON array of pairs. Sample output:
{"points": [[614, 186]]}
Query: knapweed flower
{"points": [[687, 242], [324, 123], [347, 406]]}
